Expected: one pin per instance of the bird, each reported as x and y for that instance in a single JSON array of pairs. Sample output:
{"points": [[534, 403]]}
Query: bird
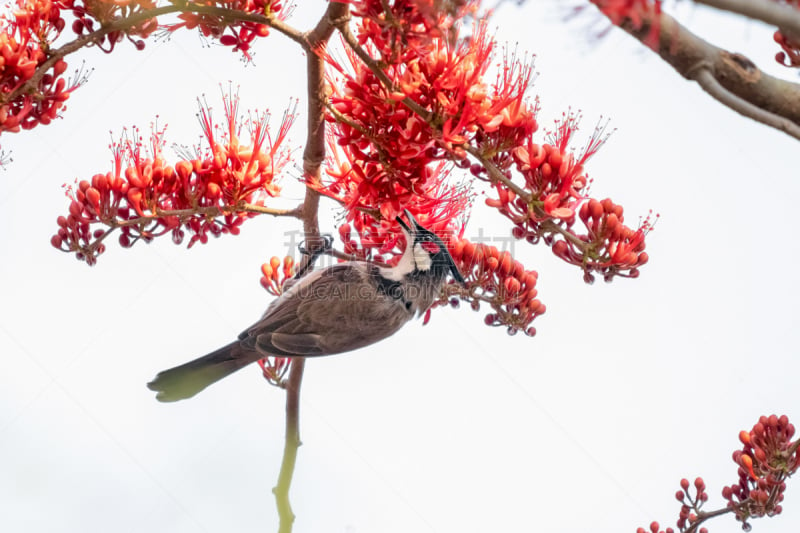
{"points": [[328, 311]]}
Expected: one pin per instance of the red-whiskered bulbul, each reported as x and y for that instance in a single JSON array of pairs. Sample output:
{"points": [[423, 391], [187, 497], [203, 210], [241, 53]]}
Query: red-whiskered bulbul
{"points": [[328, 311]]}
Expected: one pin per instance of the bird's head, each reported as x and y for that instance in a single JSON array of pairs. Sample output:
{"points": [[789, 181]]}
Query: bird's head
{"points": [[425, 252]]}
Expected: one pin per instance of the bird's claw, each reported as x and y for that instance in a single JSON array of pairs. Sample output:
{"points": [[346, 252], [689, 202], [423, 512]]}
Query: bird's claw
{"points": [[327, 244]]}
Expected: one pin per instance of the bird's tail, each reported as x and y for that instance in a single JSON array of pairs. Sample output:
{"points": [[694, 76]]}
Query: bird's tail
{"points": [[188, 379]]}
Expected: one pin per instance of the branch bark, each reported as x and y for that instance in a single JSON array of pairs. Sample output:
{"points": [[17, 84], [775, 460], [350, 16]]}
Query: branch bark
{"points": [[783, 16], [730, 78]]}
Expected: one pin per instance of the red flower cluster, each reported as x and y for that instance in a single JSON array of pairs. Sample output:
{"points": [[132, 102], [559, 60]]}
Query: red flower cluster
{"points": [[390, 140], [554, 191], [239, 33], [25, 36], [766, 460], [496, 278], [145, 197]]}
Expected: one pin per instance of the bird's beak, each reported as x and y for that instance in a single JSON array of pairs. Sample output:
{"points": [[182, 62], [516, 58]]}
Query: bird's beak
{"points": [[404, 225]]}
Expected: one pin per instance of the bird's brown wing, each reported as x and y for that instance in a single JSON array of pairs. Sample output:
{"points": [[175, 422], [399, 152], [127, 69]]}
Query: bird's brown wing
{"points": [[336, 310]]}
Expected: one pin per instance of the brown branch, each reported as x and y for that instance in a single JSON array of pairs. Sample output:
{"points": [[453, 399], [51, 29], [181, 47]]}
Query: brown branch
{"points": [[737, 79], [783, 16]]}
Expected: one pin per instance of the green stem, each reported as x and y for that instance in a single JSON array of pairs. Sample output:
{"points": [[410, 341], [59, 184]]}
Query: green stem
{"points": [[290, 447]]}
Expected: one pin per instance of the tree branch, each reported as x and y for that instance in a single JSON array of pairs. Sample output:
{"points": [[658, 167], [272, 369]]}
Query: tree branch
{"points": [[783, 16], [737, 80], [704, 77], [313, 157]]}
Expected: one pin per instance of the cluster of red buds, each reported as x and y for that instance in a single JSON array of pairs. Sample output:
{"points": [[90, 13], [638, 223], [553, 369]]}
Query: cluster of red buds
{"points": [[554, 192], [239, 34], [273, 277], [790, 56], [768, 457], [145, 197], [494, 277], [93, 15], [32, 87], [691, 505]]}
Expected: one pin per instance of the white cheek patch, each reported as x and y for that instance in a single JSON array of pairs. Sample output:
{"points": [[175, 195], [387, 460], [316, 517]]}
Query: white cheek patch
{"points": [[422, 258]]}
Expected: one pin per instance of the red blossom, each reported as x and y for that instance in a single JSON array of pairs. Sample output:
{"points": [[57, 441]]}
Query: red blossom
{"points": [[145, 197]]}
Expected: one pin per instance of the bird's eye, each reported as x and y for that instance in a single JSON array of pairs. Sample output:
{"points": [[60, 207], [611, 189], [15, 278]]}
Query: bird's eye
{"points": [[429, 246]]}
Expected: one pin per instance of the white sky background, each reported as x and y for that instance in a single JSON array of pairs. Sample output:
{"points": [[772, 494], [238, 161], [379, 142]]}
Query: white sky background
{"points": [[588, 426]]}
